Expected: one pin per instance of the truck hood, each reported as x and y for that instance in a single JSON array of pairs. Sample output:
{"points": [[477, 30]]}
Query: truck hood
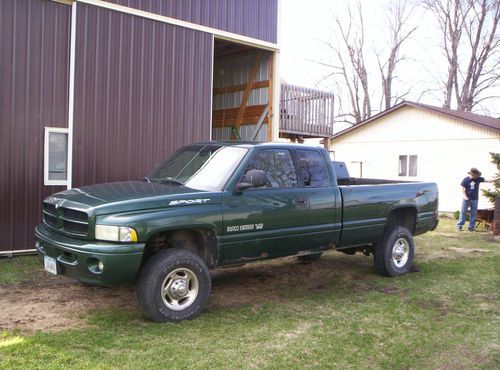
{"points": [[129, 195]]}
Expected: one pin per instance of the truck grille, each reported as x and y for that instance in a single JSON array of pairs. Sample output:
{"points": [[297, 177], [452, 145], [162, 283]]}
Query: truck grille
{"points": [[66, 220]]}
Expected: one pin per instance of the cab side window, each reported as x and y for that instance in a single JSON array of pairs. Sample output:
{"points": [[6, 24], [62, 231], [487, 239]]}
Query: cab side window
{"points": [[278, 166], [312, 169]]}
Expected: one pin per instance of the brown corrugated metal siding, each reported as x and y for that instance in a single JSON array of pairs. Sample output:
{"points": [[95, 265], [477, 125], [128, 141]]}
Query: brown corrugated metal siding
{"points": [[255, 18], [142, 90], [33, 94]]}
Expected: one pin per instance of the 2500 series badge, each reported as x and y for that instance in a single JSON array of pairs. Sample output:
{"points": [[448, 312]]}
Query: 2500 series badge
{"points": [[248, 227]]}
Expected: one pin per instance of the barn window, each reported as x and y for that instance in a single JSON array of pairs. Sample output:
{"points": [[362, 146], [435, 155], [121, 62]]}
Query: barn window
{"points": [[55, 156], [408, 165]]}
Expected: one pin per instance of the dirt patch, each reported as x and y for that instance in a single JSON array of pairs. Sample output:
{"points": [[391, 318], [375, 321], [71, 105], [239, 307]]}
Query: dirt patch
{"points": [[57, 303], [284, 339], [440, 307], [414, 269], [389, 290], [448, 253], [54, 303], [276, 281], [462, 358], [466, 250]]}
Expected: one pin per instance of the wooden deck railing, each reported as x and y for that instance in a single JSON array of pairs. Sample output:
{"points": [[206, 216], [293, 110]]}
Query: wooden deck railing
{"points": [[306, 112]]}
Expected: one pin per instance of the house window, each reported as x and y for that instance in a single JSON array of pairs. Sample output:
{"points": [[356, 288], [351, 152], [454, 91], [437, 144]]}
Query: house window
{"points": [[407, 165], [55, 156]]}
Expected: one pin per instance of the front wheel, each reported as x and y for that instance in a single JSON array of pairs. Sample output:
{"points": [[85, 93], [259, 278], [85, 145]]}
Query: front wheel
{"points": [[173, 285], [394, 254]]}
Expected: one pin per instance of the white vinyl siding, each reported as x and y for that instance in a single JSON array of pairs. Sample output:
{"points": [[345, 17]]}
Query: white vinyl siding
{"points": [[445, 148]]}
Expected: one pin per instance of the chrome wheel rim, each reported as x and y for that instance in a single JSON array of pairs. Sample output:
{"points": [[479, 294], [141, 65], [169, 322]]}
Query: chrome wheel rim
{"points": [[180, 289], [400, 252]]}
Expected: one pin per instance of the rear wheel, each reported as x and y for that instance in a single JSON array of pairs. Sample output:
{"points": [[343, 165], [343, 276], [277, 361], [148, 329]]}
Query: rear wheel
{"points": [[173, 285], [394, 254], [309, 257]]}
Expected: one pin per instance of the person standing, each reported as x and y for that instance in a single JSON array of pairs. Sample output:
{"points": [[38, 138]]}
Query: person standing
{"points": [[470, 193]]}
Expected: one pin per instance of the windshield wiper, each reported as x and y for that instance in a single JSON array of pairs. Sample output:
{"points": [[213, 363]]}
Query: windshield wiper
{"points": [[166, 180], [170, 180]]}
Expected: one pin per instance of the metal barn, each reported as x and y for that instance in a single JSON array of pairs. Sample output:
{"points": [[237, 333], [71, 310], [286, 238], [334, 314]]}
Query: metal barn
{"points": [[95, 91]]}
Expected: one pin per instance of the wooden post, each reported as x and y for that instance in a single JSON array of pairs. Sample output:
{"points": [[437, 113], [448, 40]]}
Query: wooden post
{"points": [[326, 143], [496, 217], [360, 168], [271, 116], [248, 89]]}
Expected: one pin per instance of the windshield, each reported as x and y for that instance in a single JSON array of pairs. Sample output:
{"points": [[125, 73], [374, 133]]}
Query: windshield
{"points": [[199, 167]]}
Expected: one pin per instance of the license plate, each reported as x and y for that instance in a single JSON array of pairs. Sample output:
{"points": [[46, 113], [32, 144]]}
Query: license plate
{"points": [[50, 264]]}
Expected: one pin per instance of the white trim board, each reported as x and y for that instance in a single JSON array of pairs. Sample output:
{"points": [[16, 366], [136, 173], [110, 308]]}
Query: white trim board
{"points": [[177, 22], [276, 97], [277, 81], [17, 252], [71, 94], [212, 86]]}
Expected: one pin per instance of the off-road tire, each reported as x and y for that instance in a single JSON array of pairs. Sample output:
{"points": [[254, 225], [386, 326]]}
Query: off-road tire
{"points": [[309, 257], [152, 278], [386, 252]]}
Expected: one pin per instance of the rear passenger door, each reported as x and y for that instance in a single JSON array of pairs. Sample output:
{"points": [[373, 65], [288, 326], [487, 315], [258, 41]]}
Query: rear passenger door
{"points": [[324, 214], [269, 221]]}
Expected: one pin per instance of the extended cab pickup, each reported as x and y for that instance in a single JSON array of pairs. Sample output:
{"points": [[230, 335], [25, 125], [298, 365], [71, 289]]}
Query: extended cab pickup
{"points": [[220, 204]]}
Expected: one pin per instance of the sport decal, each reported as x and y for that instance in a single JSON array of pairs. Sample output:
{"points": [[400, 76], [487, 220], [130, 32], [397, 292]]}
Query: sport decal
{"points": [[187, 201]]}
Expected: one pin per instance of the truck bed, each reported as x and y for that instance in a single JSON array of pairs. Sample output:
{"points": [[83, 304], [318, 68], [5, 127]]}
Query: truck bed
{"points": [[366, 208], [366, 181]]}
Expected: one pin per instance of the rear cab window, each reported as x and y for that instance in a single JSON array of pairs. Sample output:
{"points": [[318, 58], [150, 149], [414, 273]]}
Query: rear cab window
{"points": [[312, 169]]}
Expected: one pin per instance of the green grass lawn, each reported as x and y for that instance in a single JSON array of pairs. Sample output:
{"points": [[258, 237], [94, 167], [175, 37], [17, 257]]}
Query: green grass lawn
{"points": [[19, 268], [334, 313]]}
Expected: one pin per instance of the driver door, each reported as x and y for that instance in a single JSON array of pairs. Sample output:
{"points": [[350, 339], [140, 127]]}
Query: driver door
{"points": [[268, 221]]}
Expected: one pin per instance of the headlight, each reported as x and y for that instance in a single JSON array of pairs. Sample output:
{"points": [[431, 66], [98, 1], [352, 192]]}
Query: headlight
{"points": [[115, 233]]}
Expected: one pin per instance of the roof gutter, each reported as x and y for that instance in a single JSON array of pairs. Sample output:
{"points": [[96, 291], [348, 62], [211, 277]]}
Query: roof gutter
{"points": [[17, 253]]}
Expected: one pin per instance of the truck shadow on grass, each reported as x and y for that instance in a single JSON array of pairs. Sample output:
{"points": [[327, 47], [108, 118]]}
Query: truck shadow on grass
{"points": [[52, 303], [287, 279]]}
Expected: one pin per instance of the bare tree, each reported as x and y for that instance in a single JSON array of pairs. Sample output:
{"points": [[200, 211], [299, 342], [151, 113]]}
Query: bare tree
{"points": [[354, 43], [398, 15], [349, 68], [470, 42]]}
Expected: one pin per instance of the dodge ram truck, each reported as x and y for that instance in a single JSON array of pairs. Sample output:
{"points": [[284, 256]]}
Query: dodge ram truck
{"points": [[218, 204]]}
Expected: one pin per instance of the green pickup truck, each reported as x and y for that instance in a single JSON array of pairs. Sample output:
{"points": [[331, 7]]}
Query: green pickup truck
{"points": [[221, 204]]}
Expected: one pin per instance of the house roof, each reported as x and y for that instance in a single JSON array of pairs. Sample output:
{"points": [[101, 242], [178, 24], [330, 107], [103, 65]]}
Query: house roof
{"points": [[472, 118]]}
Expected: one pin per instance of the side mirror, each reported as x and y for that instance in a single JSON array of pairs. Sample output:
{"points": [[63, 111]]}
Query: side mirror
{"points": [[252, 179]]}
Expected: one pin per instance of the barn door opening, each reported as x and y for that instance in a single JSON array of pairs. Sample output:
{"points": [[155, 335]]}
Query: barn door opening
{"points": [[242, 92]]}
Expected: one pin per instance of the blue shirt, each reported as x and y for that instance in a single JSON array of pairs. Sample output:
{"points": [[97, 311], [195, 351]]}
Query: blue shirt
{"points": [[472, 187]]}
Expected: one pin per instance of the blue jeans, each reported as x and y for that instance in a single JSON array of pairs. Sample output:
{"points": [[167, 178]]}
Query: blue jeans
{"points": [[463, 213]]}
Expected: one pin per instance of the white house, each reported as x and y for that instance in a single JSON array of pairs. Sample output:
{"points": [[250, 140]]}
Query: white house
{"points": [[417, 142]]}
